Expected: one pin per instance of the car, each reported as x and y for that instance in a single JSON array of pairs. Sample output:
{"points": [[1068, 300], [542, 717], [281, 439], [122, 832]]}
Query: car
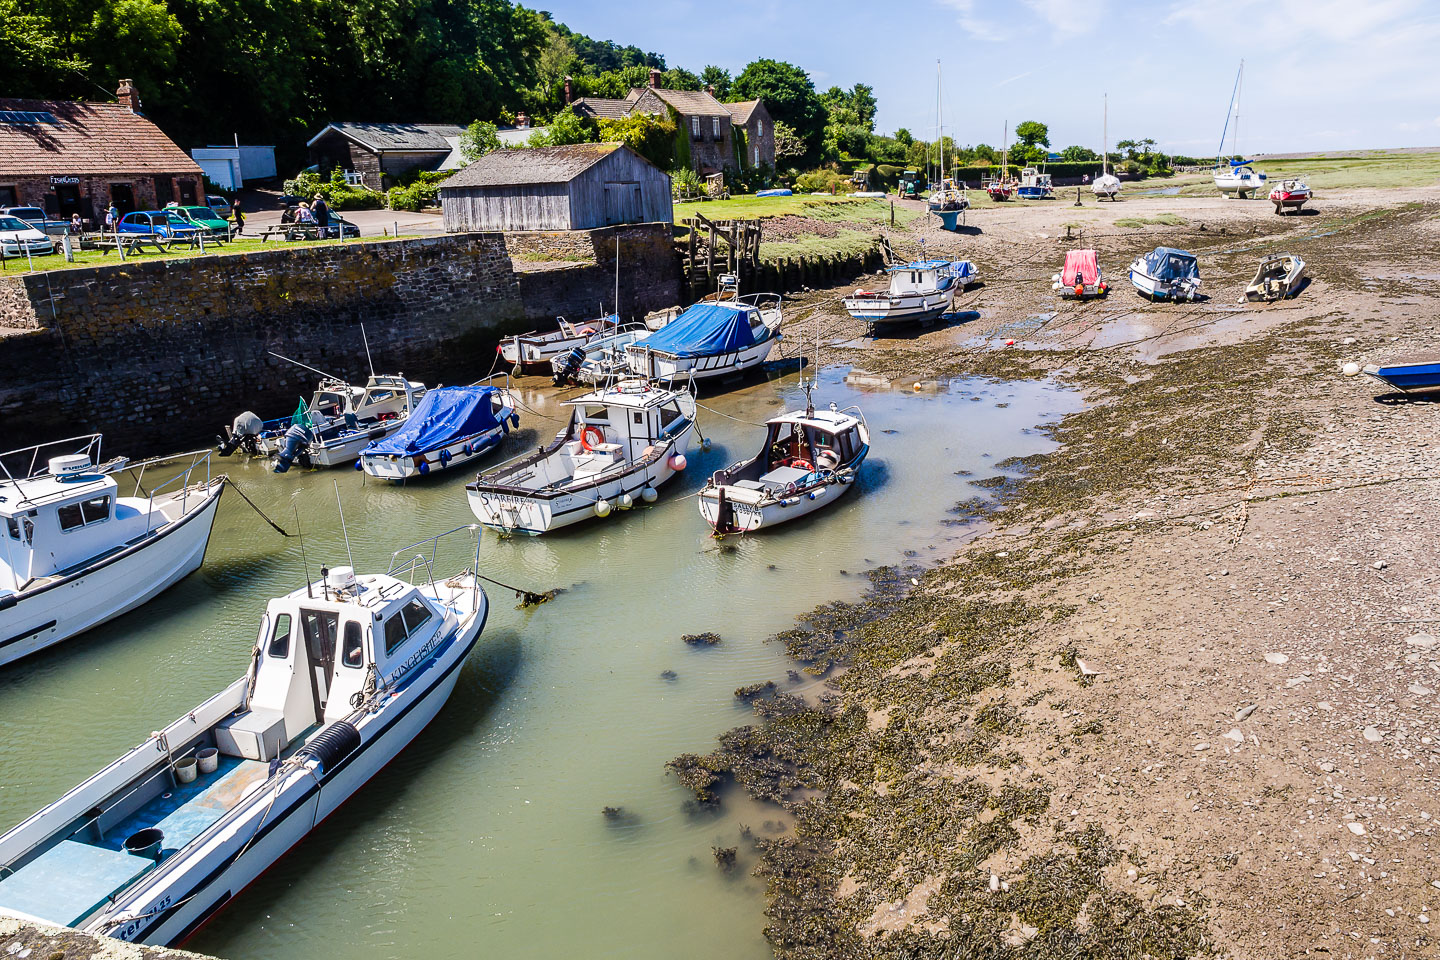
{"points": [[348, 230], [37, 218], [220, 205], [163, 223], [206, 218], [18, 237]]}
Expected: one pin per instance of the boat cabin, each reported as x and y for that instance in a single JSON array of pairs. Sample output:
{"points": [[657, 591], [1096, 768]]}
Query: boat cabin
{"points": [[799, 447], [923, 276], [383, 397], [618, 425]]}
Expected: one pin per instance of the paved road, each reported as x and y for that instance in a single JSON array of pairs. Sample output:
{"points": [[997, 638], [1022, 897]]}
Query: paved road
{"points": [[372, 223]]}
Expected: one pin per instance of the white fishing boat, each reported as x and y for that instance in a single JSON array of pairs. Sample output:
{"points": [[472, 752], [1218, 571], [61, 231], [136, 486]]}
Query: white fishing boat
{"points": [[1034, 185], [713, 338], [808, 461], [1166, 274], [599, 361], [345, 672], [450, 427], [1237, 178], [74, 553], [1107, 185], [622, 442], [918, 292], [532, 352], [1276, 278]]}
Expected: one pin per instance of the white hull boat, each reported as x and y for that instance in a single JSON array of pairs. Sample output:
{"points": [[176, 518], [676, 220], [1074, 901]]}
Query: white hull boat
{"points": [[345, 673], [1241, 183], [75, 554], [602, 360], [918, 293], [809, 461], [622, 443], [710, 339], [1290, 195], [532, 352], [1277, 278], [1106, 186], [451, 427], [1166, 274], [1080, 278]]}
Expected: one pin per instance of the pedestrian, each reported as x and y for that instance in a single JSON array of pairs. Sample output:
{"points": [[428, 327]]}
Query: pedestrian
{"points": [[112, 218], [238, 216], [321, 211], [76, 224], [304, 214]]}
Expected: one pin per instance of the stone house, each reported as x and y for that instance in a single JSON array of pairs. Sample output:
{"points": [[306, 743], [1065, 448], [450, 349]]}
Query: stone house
{"points": [[79, 157], [717, 136], [375, 154]]}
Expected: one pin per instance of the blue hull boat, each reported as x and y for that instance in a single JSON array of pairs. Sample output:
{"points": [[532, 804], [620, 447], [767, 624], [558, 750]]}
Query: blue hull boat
{"points": [[1407, 377], [950, 219]]}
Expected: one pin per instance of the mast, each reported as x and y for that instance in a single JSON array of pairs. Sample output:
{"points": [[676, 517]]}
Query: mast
{"points": [[940, 117], [1239, 88], [1005, 152], [1105, 143]]}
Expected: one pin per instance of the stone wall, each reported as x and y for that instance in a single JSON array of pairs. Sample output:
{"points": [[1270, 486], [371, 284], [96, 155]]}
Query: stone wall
{"points": [[158, 355], [574, 270], [41, 941]]}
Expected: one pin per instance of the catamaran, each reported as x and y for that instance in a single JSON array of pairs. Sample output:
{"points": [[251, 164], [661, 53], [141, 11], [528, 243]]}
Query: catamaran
{"points": [[344, 673]]}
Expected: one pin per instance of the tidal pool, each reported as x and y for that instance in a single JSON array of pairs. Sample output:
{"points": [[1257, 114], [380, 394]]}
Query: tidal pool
{"points": [[487, 835]]}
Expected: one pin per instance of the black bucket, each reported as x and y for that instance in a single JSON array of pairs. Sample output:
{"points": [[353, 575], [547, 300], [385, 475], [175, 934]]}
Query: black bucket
{"points": [[145, 843]]}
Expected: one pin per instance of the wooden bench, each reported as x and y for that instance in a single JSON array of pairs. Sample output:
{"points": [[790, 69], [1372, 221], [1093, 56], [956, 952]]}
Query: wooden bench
{"points": [[291, 231]]}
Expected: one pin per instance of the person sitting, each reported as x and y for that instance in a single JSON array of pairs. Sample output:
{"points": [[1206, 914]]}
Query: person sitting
{"points": [[287, 215], [76, 224], [303, 214]]}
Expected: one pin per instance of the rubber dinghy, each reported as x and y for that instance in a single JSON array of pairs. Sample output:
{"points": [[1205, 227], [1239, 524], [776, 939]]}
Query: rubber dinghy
{"points": [[710, 339], [344, 673], [450, 427]]}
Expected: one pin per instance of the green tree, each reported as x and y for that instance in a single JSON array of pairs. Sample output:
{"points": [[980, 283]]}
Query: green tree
{"points": [[788, 145], [678, 78], [719, 78], [1033, 133], [39, 64], [651, 136], [789, 95], [478, 139], [905, 137], [1128, 146], [1077, 154], [567, 127], [987, 153]]}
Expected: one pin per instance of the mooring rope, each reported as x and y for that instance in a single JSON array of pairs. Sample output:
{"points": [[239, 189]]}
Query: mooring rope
{"points": [[279, 529]]}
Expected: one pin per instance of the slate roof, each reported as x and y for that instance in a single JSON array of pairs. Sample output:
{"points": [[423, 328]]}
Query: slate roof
{"points": [[77, 137], [687, 102], [599, 107], [525, 167], [740, 112], [395, 137]]}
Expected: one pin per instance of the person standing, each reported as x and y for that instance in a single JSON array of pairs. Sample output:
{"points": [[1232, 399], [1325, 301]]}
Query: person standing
{"points": [[238, 216], [321, 211], [112, 218]]}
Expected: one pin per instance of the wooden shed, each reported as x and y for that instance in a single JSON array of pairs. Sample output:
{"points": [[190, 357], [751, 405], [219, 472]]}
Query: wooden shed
{"points": [[576, 187]]}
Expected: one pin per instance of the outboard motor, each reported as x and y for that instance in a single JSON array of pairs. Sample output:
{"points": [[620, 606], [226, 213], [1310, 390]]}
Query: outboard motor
{"points": [[569, 366], [295, 446], [242, 435]]}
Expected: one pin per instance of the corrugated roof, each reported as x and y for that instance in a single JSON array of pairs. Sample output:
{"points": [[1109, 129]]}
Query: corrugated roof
{"points": [[385, 137], [602, 107], [692, 102], [85, 138], [740, 112], [540, 165]]}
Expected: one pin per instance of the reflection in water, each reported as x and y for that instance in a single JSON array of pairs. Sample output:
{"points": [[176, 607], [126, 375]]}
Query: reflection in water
{"points": [[491, 833]]}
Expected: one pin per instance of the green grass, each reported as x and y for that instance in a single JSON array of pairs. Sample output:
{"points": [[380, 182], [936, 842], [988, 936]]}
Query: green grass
{"points": [[537, 256], [832, 209], [1334, 171], [1163, 220], [96, 258], [846, 243]]}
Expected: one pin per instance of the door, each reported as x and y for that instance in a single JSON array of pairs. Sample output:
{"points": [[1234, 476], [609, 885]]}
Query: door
{"points": [[67, 198], [622, 203], [123, 197], [187, 193], [320, 628], [164, 192]]}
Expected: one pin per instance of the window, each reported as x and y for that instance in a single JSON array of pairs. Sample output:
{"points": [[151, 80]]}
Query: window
{"points": [[695, 127], [353, 654], [14, 527], [759, 128], [639, 418], [280, 639], [757, 156], [74, 515], [715, 122], [416, 615], [8, 196], [394, 633], [403, 625]]}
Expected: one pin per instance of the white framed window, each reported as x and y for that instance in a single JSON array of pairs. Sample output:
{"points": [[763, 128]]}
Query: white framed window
{"points": [[759, 128], [757, 156], [695, 127], [715, 121]]}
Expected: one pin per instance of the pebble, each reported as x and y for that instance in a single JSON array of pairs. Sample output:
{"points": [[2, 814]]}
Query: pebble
{"points": [[1422, 640], [1327, 766], [1244, 712], [1356, 828], [1420, 689], [1276, 658], [1201, 746], [1235, 736], [1373, 735], [994, 883], [1379, 564]]}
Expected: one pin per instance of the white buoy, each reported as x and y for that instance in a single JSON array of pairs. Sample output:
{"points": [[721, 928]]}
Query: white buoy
{"points": [[649, 495], [677, 462], [626, 501], [1350, 369], [602, 508]]}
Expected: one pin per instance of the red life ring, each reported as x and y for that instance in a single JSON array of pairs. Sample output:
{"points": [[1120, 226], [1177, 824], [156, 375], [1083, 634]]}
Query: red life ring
{"points": [[801, 464], [588, 433]]}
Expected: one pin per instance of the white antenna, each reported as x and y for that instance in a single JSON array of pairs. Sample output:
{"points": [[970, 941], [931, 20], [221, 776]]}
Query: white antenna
{"points": [[346, 532], [617, 275], [367, 350]]}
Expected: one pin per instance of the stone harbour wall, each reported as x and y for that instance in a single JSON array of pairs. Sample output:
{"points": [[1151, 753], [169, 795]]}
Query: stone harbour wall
{"points": [[159, 354], [40, 941]]}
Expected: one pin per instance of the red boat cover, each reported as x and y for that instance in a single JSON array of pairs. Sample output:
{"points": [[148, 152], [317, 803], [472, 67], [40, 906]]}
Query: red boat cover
{"points": [[1083, 262]]}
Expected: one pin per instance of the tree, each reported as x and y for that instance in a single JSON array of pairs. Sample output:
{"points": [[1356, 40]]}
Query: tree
{"points": [[567, 127], [1077, 154], [39, 65], [905, 137], [789, 95], [864, 104], [1128, 146], [651, 136], [788, 145], [1033, 133], [478, 139], [987, 153], [719, 78], [678, 78]]}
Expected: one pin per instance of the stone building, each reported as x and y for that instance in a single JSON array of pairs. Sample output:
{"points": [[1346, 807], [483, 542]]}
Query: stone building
{"points": [[78, 157], [374, 154], [720, 136], [581, 186]]}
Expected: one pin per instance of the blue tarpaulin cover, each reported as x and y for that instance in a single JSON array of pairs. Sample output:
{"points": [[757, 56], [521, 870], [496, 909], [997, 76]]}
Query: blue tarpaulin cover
{"points": [[704, 330], [444, 415], [1167, 263]]}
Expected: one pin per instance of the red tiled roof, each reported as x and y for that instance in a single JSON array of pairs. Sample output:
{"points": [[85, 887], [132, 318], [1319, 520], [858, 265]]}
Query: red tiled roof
{"points": [[84, 138]]}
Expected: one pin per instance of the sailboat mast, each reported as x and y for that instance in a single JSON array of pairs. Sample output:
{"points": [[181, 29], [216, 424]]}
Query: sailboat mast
{"points": [[1005, 152], [1105, 142], [940, 115], [1239, 88]]}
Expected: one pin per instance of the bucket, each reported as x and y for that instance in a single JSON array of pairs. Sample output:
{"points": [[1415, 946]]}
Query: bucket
{"points": [[185, 769], [207, 759], [145, 843]]}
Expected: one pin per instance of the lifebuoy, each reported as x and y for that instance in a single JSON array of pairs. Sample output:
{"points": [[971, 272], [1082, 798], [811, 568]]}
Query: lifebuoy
{"points": [[590, 432], [800, 464]]}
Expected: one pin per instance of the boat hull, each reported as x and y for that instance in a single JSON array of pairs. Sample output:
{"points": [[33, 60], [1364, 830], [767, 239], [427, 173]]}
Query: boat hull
{"points": [[905, 308], [667, 368], [1407, 377], [1160, 289], [1034, 193], [70, 605], [457, 453], [750, 517]]}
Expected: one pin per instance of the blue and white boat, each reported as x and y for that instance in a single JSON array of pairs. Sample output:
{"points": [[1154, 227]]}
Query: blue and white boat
{"points": [[919, 292], [1416, 377], [1034, 185], [713, 338], [450, 427], [345, 672], [1166, 274]]}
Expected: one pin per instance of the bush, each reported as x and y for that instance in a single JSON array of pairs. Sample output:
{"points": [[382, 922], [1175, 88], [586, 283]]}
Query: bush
{"points": [[685, 182], [824, 180], [339, 194]]}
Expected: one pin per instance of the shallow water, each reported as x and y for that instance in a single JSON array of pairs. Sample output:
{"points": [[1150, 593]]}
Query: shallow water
{"points": [[487, 833]]}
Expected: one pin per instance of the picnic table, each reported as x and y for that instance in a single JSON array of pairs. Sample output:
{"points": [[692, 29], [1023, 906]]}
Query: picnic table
{"points": [[291, 231], [136, 242]]}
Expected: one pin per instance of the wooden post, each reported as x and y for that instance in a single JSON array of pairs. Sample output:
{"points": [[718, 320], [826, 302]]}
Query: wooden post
{"points": [[710, 255]]}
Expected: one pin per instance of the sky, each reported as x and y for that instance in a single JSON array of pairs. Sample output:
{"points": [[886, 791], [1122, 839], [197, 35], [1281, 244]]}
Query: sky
{"points": [[1319, 74]]}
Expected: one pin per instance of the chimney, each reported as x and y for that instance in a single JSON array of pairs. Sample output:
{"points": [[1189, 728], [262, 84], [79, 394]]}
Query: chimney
{"points": [[522, 122], [567, 90], [128, 96], [655, 78], [710, 89]]}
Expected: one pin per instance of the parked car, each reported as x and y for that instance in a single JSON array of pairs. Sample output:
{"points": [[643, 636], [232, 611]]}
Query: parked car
{"points": [[36, 217], [347, 229], [17, 236], [220, 205], [163, 223], [204, 217]]}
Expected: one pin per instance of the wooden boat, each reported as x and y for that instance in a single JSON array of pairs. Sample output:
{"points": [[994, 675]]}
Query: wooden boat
{"points": [[808, 461], [602, 360], [1290, 195], [918, 292], [345, 672], [451, 427], [531, 352], [1277, 278], [1166, 274], [74, 553], [622, 441], [1080, 278]]}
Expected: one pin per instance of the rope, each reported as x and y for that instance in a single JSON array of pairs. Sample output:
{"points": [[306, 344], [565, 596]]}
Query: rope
{"points": [[272, 523], [528, 598]]}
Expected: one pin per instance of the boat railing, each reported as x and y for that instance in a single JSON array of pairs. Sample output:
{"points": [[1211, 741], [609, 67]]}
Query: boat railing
{"points": [[184, 483], [762, 301], [88, 444], [417, 557], [854, 411]]}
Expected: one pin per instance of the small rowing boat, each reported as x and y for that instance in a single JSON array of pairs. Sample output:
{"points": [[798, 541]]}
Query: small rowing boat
{"points": [[1277, 278], [531, 352]]}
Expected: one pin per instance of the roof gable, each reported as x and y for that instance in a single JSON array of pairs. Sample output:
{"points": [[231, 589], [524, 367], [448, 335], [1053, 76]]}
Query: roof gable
{"points": [[742, 111], [689, 102], [78, 137], [533, 166], [397, 137], [602, 108]]}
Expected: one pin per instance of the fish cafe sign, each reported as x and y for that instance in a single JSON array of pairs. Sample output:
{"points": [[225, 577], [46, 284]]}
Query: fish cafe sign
{"points": [[64, 181]]}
